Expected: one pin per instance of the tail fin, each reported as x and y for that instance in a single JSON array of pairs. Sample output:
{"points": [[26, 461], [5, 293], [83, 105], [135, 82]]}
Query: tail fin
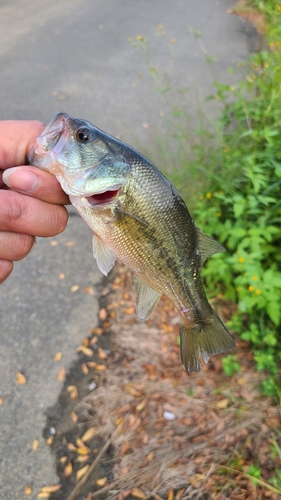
{"points": [[202, 340]]}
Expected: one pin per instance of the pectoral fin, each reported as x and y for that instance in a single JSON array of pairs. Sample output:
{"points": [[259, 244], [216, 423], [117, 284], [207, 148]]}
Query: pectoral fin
{"points": [[120, 212], [207, 245], [104, 257], [146, 299]]}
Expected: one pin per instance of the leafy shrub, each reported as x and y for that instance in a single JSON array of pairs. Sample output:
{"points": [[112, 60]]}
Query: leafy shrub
{"points": [[243, 208], [236, 164]]}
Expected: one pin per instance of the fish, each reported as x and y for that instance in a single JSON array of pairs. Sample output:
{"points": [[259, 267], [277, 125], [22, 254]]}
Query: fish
{"points": [[139, 219]]}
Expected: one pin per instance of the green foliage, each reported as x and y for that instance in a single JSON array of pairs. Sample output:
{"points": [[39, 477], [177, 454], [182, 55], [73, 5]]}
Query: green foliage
{"points": [[235, 163], [242, 209], [230, 365], [188, 144], [255, 472]]}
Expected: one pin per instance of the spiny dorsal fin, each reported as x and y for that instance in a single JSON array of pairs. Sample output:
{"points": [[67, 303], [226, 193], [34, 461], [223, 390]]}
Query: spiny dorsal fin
{"points": [[104, 257], [146, 299], [207, 245]]}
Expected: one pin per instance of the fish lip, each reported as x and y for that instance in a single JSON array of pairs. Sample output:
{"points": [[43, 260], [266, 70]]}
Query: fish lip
{"points": [[53, 131], [100, 198], [61, 128]]}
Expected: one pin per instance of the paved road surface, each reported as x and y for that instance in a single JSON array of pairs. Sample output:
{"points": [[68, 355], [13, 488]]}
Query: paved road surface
{"points": [[74, 55]]}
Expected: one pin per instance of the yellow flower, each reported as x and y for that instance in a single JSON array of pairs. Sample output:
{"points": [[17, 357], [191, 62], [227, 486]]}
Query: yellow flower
{"points": [[251, 288], [219, 214], [241, 260], [201, 197], [173, 40], [220, 296], [275, 46], [258, 292], [278, 7], [160, 27], [232, 87], [255, 278], [139, 37], [209, 195]]}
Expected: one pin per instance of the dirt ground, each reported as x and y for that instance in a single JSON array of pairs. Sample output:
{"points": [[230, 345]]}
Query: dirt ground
{"points": [[131, 423]]}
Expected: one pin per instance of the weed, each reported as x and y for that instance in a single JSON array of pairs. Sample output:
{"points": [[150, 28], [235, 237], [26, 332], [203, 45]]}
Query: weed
{"points": [[236, 166], [244, 210], [255, 473], [230, 365]]}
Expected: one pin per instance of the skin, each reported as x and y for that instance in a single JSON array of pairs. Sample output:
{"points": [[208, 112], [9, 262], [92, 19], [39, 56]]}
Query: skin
{"points": [[31, 200]]}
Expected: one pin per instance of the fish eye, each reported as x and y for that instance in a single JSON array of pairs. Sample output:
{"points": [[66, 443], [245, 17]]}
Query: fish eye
{"points": [[83, 134]]}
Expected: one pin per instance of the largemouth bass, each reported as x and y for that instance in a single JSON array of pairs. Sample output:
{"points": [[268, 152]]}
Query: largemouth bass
{"points": [[138, 218]]}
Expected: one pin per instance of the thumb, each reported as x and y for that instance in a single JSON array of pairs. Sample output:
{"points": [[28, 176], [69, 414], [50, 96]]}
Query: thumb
{"points": [[16, 139], [36, 183]]}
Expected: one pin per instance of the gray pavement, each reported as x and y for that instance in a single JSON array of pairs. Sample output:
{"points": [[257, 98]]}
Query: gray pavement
{"points": [[74, 56]]}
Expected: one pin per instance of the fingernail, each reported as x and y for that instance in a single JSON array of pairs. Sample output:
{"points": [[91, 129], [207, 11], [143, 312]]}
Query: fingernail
{"points": [[20, 179]]}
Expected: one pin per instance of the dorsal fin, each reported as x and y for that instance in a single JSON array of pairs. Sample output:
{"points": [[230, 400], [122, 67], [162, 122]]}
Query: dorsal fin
{"points": [[207, 245]]}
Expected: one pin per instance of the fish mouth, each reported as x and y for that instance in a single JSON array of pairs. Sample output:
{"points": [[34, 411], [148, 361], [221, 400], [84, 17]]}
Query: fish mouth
{"points": [[104, 197], [53, 132]]}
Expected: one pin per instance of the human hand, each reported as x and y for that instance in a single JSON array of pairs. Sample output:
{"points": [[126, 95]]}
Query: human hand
{"points": [[31, 200]]}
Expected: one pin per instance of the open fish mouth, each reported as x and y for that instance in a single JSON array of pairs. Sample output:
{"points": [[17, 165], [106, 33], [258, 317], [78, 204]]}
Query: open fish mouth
{"points": [[104, 197]]}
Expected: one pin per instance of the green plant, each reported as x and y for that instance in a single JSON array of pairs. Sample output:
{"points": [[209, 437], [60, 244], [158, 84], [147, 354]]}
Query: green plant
{"points": [[243, 210], [235, 163], [255, 472], [188, 145], [230, 365]]}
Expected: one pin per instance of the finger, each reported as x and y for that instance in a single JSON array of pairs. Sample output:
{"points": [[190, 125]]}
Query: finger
{"points": [[23, 214], [17, 138], [35, 182], [6, 268], [15, 246]]}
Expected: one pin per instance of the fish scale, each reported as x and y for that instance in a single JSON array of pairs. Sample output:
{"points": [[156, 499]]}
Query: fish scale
{"points": [[138, 218]]}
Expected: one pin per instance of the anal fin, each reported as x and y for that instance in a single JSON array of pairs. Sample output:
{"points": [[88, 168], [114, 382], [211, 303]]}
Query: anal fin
{"points": [[104, 257], [146, 299]]}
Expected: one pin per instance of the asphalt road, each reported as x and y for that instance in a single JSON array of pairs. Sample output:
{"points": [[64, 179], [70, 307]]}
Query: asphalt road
{"points": [[74, 56]]}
